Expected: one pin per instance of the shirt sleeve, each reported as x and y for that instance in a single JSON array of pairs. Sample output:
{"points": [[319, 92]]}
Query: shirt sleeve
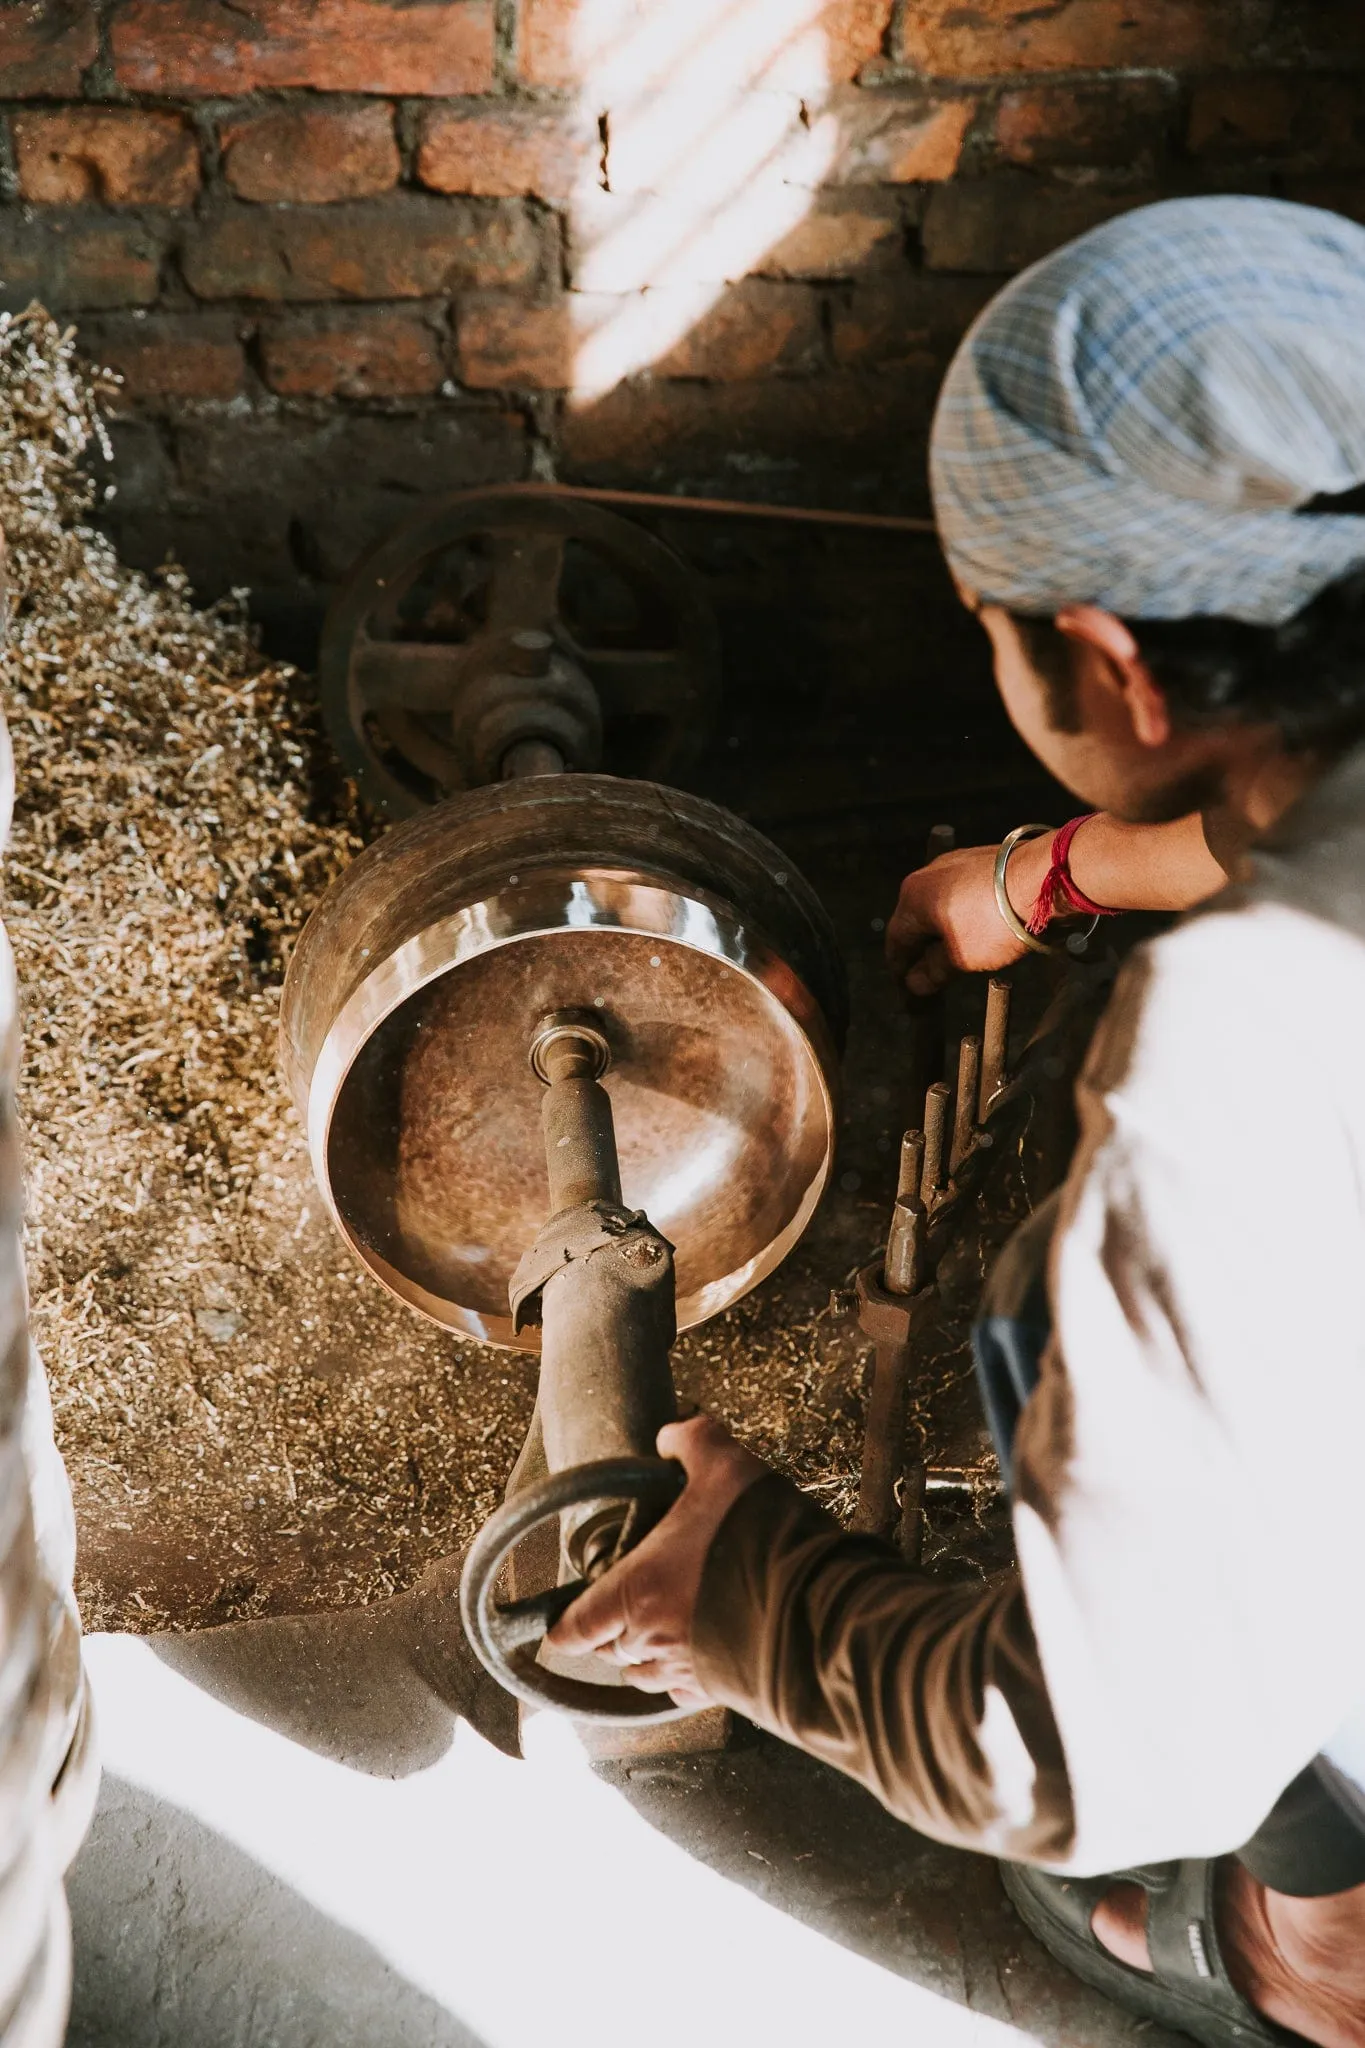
{"points": [[1182, 1636], [930, 1696]]}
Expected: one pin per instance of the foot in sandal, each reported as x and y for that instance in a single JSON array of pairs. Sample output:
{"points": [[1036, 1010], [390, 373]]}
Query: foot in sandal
{"points": [[1299, 1962], [1208, 1949]]}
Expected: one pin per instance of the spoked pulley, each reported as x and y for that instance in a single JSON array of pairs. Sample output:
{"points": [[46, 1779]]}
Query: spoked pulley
{"points": [[514, 631]]}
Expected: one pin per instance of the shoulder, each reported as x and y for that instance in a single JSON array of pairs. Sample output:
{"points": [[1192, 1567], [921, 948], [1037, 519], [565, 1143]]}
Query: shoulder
{"points": [[1229, 998], [1233, 1016]]}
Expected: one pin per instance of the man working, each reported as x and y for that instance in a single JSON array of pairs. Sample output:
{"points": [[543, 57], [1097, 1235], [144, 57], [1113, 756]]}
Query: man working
{"points": [[1171, 1688]]}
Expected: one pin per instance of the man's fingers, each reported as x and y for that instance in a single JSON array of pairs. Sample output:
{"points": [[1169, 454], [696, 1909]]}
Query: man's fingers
{"points": [[690, 1441], [596, 1617], [930, 972], [651, 1676]]}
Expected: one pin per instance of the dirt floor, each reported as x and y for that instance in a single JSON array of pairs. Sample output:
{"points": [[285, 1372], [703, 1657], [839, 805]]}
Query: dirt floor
{"points": [[252, 1427]]}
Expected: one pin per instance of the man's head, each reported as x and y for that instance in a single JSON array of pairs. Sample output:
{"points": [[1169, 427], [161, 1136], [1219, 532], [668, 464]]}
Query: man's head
{"points": [[1151, 719], [1125, 461]]}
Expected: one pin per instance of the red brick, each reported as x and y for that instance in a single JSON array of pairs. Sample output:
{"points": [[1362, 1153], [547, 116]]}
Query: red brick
{"points": [[991, 225], [1122, 121], [945, 39], [312, 154], [837, 438], [700, 145], [76, 260], [505, 152], [507, 345], [237, 46], [887, 139], [1274, 114], [753, 328], [548, 49], [45, 48], [854, 32], [403, 248], [122, 157], [169, 355], [388, 354], [908, 319], [840, 236], [806, 53]]}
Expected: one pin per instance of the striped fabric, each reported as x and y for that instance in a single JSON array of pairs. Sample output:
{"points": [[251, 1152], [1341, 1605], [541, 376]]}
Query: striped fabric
{"points": [[1133, 422]]}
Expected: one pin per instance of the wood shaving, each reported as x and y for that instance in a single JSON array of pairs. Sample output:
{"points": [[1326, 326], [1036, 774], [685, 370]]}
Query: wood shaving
{"points": [[250, 1424]]}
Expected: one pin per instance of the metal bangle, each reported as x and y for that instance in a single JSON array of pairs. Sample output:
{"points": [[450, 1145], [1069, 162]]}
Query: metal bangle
{"points": [[1075, 943]]}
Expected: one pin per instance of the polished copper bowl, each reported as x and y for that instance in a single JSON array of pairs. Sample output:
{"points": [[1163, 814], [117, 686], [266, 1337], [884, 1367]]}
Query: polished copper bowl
{"points": [[419, 983]]}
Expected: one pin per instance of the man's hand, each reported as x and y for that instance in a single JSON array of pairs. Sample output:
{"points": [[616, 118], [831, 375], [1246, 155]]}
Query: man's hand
{"points": [[947, 918], [641, 1611]]}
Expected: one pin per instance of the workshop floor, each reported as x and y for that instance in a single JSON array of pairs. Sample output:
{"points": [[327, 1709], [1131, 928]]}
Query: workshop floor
{"points": [[298, 1845]]}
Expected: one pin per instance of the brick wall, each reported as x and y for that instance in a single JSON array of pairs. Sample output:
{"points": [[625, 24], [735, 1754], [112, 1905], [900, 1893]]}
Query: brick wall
{"points": [[347, 252]]}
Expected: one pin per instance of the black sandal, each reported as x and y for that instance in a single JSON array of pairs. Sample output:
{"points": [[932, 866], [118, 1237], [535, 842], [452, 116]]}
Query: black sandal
{"points": [[1188, 1987]]}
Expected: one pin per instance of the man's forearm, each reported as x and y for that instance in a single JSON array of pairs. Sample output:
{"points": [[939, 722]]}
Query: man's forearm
{"points": [[931, 1696], [1125, 867]]}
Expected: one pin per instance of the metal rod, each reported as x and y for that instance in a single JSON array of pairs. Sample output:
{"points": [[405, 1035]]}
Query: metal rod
{"points": [[883, 1441], [870, 522], [905, 1247], [531, 757], [960, 1479], [607, 1311], [995, 1046], [968, 1086], [935, 1130], [910, 1534], [575, 1116], [912, 1165]]}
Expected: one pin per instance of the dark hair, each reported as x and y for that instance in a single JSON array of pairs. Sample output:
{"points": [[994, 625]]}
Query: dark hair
{"points": [[1307, 676]]}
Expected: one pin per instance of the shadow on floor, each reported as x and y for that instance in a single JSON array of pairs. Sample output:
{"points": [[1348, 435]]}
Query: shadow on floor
{"points": [[818, 1847], [376, 1688], [379, 1689], [181, 1941]]}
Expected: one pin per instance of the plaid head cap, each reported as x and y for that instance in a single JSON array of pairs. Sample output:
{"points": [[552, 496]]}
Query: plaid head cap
{"points": [[1133, 422]]}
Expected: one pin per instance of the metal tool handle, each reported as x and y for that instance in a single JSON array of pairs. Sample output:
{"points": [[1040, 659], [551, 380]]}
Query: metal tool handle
{"points": [[506, 1637]]}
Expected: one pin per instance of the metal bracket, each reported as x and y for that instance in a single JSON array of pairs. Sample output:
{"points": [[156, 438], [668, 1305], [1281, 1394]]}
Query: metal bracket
{"points": [[577, 1234]]}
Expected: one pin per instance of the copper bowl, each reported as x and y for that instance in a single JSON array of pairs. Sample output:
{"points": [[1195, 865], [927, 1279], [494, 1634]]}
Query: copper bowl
{"points": [[419, 982]]}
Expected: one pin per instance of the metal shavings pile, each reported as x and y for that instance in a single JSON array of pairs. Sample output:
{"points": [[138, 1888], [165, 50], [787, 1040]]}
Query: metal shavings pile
{"points": [[249, 1423]]}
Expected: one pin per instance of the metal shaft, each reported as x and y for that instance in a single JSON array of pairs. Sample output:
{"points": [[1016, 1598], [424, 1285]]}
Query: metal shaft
{"points": [[995, 1046], [935, 1132], [608, 1316], [968, 1087], [575, 1116], [531, 757], [905, 1247], [889, 1400], [911, 1173]]}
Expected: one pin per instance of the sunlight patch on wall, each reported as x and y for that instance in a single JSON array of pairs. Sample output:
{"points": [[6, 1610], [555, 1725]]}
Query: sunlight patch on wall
{"points": [[714, 136]]}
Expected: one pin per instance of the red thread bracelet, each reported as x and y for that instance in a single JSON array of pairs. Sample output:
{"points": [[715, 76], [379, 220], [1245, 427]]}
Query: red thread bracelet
{"points": [[1059, 895]]}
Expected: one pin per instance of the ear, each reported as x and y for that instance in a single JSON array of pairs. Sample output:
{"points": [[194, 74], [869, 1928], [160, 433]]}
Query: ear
{"points": [[1109, 638]]}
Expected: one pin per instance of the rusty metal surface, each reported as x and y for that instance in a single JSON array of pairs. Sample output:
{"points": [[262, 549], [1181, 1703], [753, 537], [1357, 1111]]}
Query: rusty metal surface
{"points": [[500, 619], [416, 988]]}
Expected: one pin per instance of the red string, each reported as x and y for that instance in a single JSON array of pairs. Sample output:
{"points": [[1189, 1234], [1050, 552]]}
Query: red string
{"points": [[1059, 894]]}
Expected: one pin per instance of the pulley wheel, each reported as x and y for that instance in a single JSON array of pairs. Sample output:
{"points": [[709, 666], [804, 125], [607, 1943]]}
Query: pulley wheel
{"points": [[427, 637], [418, 986]]}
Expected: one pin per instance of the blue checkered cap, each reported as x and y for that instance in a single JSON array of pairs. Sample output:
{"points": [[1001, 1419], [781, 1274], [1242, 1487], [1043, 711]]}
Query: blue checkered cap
{"points": [[1133, 421]]}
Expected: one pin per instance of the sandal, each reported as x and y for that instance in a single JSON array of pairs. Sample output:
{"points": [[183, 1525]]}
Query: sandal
{"points": [[1188, 1986]]}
